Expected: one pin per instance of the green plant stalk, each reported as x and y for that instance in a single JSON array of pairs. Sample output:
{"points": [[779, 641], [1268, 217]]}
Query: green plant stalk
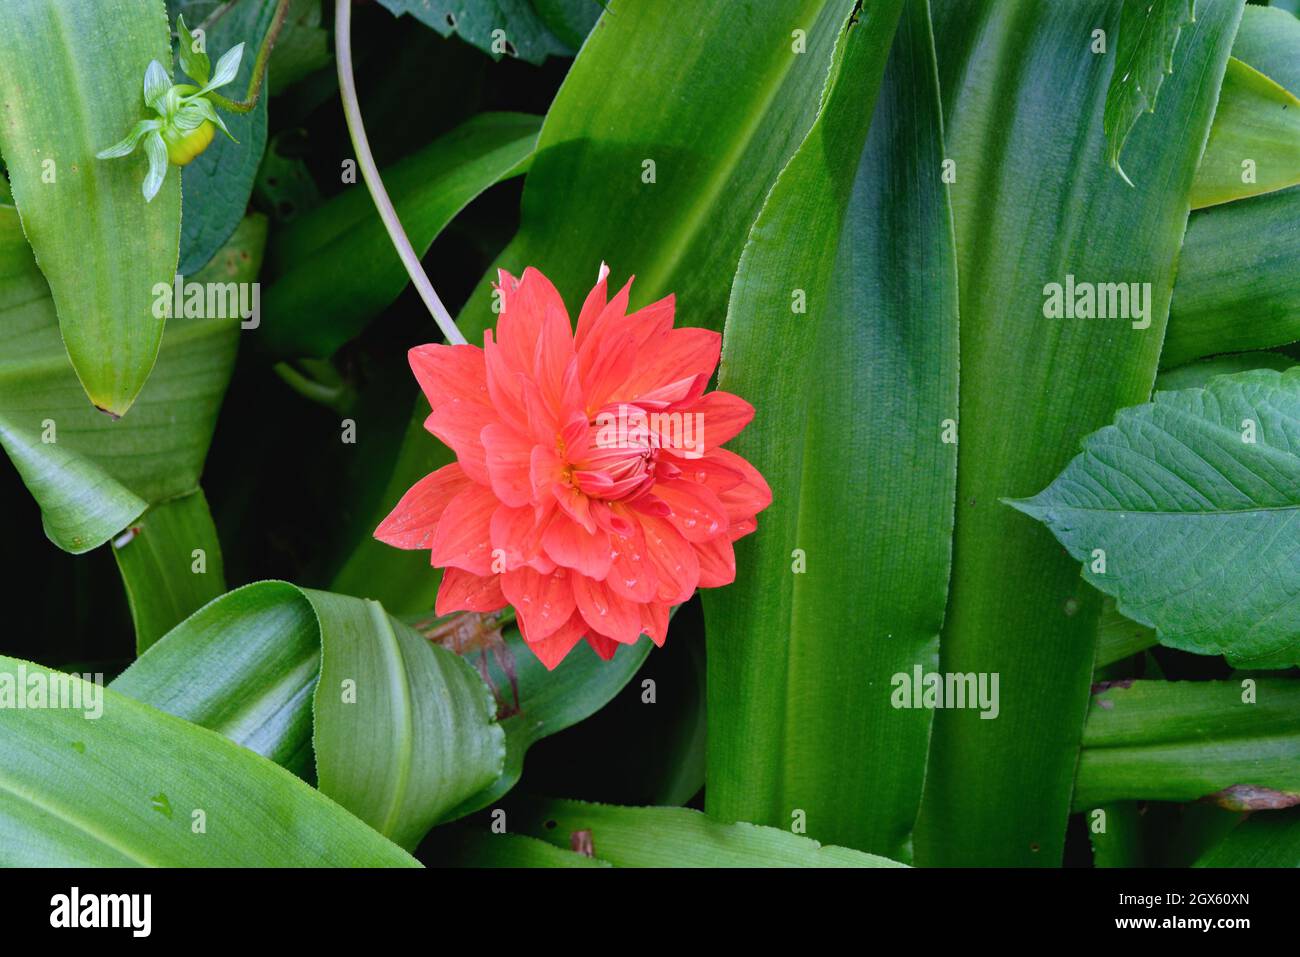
{"points": [[375, 183], [258, 79]]}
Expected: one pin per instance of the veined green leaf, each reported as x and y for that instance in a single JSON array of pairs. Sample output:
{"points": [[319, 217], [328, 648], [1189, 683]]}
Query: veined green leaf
{"points": [[72, 75], [679, 837], [1023, 101], [130, 785], [219, 181], [497, 27], [333, 269], [170, 560], [402, 730], [853, 229], [624, 176], [1254, 145], [1236, 742], [90, 475], [1144, 55], [1186, 510]]}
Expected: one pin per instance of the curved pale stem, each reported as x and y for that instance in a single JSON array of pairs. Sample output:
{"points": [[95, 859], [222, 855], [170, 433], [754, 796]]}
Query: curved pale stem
{"points": [[370, 173]]}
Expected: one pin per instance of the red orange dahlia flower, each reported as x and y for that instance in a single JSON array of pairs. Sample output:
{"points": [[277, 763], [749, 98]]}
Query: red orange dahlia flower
{"points": [[590, 491]]}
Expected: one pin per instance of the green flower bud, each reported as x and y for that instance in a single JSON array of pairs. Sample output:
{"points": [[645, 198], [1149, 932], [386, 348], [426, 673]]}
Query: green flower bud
{"points": [[186, 120]]}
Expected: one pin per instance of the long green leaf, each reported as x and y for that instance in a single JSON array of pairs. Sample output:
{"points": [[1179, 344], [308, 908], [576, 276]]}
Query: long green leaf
{"points": [[1237, 287], [90, 475], [1254, 145], [1034, 203], [333, 269], [679, 837], [1262, 840], [72, 75], [1187, 510], [1236, 742], [623, 175], [850, 430], [170, 560], [135, 786], [402, 730]]}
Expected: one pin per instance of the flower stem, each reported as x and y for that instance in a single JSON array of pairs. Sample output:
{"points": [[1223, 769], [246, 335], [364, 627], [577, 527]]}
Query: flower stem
{"points": [[370, 173], [249, 102]]}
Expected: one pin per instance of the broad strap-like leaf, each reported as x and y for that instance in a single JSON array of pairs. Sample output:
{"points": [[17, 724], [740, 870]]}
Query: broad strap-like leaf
{"points": [[678, 837], [1254, 145], [1261, 840], [851, 267], [1237, 288], [88, 473], [402, 730], [72, 75], [1144, 55], [334, 269], [170, 560], [1035, 203], [1236, 743], [1187, 510], [104, 780]]}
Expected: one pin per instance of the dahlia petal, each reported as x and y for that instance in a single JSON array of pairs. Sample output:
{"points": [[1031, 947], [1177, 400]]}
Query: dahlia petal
{"points": [[591, 339], [681, 354], [459, 426], [614, 522], [527, 311], [605, 647], [448, 372], [464, 591], [724, 416], [631, 574], [593, 305], [654, 621], [696, 512], [717, 562], [574, 504], [516, 533], [414, 520], [505, 385], [605, 612], [551, 650], [716, 471], [672, 558], [544, 602], [545, 469], [508, 458], [749, 496], [464, 538], [569, 544], [738, 530]]}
